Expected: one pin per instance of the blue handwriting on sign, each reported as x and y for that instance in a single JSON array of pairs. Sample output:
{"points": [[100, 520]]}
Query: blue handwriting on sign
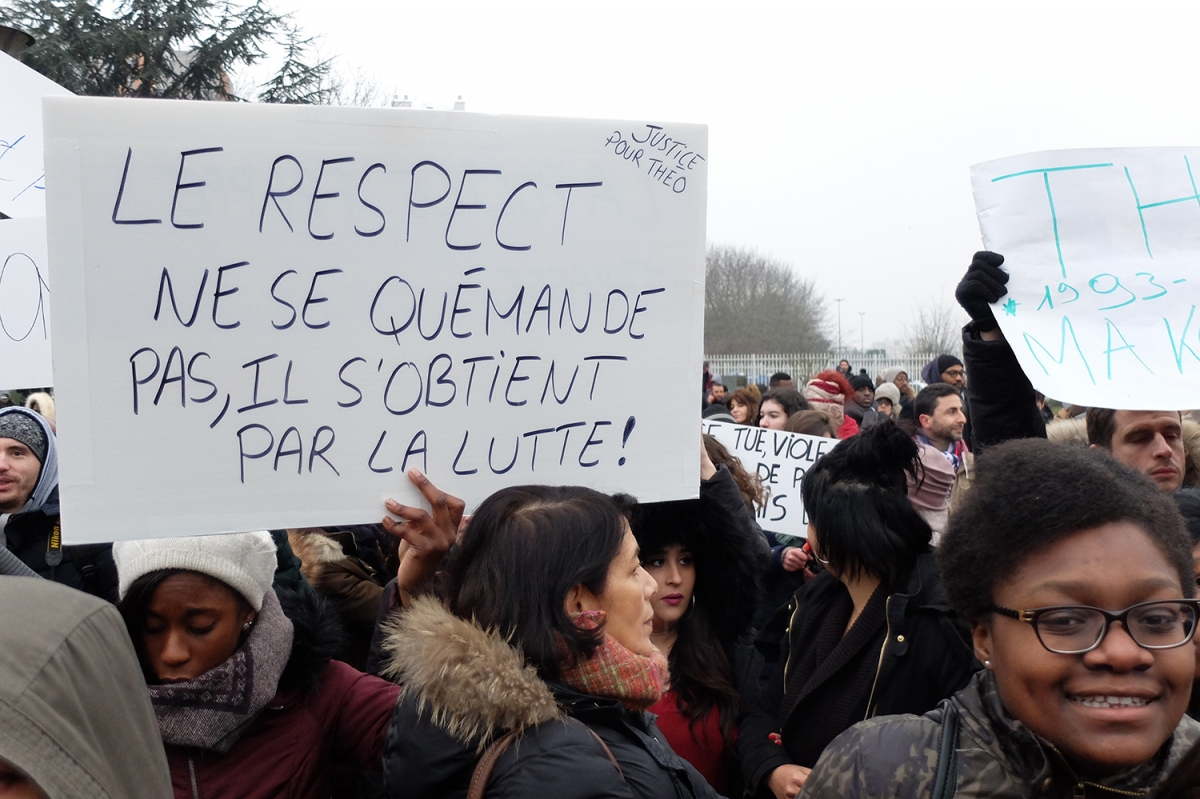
{"points": [[1142, 207], [1045, 173]]}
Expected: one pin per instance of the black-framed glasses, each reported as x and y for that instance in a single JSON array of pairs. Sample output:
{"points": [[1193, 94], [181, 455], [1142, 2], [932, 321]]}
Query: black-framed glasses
{"points": [[1076, 629]]}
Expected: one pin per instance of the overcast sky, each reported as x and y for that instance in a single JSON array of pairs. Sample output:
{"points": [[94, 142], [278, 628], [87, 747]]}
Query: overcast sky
{"points": [[840, 136]]}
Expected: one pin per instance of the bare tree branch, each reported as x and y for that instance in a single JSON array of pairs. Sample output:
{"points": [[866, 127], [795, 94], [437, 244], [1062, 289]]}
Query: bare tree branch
{"points": [[757, 304]]}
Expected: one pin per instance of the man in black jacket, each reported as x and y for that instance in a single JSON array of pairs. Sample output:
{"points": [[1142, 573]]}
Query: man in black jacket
{"points": [[29, 520]]}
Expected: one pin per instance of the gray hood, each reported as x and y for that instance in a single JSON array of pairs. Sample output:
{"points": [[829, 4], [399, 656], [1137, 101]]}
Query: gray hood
{"points": [[41, 498], [75, 714]]}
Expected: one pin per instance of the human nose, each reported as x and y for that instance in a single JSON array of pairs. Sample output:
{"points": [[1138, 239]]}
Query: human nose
{"points": [[673, 575], [1162, 450], [650, 586], [1118, 651], [175, 651]]}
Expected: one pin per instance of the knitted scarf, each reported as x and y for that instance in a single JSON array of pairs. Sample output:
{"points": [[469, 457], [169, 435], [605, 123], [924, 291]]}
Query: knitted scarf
{"points": [[212, 711], [613, 671]]}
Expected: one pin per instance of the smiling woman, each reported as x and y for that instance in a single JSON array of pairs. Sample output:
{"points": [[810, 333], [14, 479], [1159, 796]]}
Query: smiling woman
{"points": [[1076, 574]]}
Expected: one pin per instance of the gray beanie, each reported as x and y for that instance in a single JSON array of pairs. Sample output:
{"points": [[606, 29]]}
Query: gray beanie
{"points": [[20, 426]]}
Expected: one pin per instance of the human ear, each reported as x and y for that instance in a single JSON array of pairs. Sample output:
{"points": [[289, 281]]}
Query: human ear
{"points": [[579, 599], [981, 637]]}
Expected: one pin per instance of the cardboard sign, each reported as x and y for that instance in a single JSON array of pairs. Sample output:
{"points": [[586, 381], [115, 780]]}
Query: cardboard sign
{"points": [[22, 179], [266, 314], [1103, 248], [781, 460], [24, 305]]}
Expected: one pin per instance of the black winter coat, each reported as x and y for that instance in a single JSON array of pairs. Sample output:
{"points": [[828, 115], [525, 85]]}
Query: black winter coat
{"points": [[464, 688], [926, 656], [85, 567]]}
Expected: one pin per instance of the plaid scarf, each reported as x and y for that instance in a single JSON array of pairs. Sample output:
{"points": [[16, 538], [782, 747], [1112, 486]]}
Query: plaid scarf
{"points": [[213, 710], [613, 671]]}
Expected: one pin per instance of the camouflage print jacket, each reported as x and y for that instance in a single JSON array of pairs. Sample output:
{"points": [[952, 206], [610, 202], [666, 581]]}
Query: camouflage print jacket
{"points": [[998, 757]]}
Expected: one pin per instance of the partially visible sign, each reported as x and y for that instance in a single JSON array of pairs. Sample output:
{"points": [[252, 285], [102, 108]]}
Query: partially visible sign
{"points": [[22, 178], [1103, 249], [781, 460], [24, 305]]}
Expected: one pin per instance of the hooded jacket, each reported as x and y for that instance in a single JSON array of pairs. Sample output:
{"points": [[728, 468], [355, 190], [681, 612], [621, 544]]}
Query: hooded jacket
{"points": [[464, 687], [324, 711], [997, 756], [74, 712], [29, 532], [923, 657]]}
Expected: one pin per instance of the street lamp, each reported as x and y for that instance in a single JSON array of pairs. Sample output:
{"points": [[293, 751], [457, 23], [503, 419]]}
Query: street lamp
{"points": [[838, 300], [862, 348]]}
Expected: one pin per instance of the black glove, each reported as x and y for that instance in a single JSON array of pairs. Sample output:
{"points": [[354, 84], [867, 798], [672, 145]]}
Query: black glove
{"points": [[983, 284]]}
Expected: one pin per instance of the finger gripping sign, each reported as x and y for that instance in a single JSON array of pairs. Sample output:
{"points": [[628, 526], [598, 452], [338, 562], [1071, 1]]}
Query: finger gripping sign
{"points": [[780, 460], [265, 315], [1103, 250]]}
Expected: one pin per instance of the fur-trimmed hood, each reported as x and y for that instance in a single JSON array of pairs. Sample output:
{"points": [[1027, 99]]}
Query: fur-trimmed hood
{"points": [[473, 683]]}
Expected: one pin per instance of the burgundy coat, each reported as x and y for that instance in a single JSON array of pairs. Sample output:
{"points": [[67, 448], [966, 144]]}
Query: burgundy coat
{"points": [[288, 751]]}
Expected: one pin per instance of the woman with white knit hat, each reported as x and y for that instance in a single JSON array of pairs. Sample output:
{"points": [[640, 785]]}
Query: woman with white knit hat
{"points": [[248, 702]]}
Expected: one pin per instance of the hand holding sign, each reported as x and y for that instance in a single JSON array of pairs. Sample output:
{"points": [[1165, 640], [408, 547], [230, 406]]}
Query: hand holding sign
{"points": [[981, 287], [427, 536]]}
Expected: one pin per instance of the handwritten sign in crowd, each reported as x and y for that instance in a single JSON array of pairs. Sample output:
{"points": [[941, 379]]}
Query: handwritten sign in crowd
{"points": [[780, 460], [264, 315], [24, 305], [22, 177], [1102, 247]]}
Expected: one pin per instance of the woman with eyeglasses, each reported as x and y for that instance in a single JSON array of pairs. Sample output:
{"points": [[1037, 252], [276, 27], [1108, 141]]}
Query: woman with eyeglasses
{"points": [[1076, 574], [871, 634]]}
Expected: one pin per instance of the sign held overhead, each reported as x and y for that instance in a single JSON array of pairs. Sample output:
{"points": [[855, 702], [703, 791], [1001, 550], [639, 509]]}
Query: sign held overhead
{"points": [[267, 314]]}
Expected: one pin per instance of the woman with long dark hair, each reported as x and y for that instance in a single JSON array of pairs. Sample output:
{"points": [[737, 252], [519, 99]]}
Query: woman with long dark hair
{"points": [[706, 555], [532, 674], [870, 635]]}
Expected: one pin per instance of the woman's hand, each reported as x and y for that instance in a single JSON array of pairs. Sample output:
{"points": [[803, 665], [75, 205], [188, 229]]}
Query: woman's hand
{"points": [[786, 781], [707, 467], [794, 559], [425, 538]]}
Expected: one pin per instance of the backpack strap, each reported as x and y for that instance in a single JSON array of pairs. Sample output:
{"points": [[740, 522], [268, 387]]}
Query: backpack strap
{"points": [[487, 762], [945, 781]]}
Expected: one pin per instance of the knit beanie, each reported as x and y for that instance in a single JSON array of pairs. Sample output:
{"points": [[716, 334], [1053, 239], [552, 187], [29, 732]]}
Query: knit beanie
{"points": [[828, 388], [862, 381], [888, 391], [20, 426], [944, 362], [244, 561], [890, 373]]}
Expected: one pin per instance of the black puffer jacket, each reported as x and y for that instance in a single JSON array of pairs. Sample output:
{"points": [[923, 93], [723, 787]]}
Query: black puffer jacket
{"points": [[923, 656], [464, 687]]}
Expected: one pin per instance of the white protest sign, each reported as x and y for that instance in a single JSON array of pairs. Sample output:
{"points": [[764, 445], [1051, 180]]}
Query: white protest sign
{"points": [[24, 305], [781, 460], [265, 314], [1103, 248], [22, 187]]}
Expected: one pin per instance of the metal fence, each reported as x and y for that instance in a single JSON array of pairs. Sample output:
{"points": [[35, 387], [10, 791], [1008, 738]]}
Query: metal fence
{"points": [[802, 366]]}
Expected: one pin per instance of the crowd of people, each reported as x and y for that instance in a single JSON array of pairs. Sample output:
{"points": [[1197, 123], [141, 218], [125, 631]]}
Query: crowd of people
{"points": [[987, 601]]}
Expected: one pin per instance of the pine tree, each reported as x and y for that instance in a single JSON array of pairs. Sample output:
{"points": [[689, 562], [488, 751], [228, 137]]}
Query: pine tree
{"points": [[182, 49]]}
